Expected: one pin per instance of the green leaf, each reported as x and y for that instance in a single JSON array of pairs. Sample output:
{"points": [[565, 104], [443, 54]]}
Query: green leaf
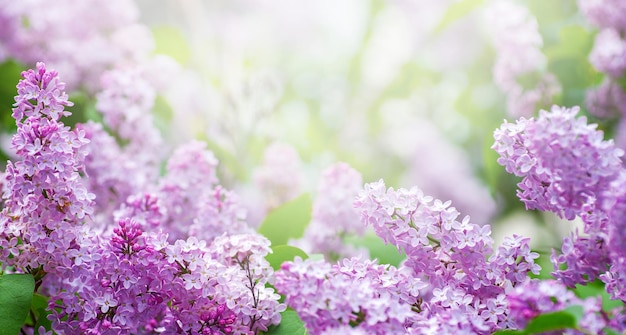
{"points": [[456, 11], [290, 324], [565, 319], [287, 221], [10, 74], [39, 306], [609, 331], [169, 41], [16, 294], [284, 253], [385, 253], [509, 332]]}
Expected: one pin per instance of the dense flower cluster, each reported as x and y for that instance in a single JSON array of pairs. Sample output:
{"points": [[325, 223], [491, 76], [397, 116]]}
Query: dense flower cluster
{"points": [[450, 256], [445, 281], [122, 240], [358, 293], [565, 162], [44, 201], [568, 168], [129, 278]]}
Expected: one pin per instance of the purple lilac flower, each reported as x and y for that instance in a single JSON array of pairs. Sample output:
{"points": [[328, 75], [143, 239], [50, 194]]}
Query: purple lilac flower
{"points": [[45, 202], [564, 162], [145, 209], [359, 293], [187, 187], [449, 256], [219, 213], [111, 172], [333, 214], [615, 235], [570, 170], [137, 282], [608, 53], [126, 101]]}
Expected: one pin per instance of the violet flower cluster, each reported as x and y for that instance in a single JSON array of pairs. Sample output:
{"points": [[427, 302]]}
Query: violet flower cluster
{"points": [[45, 202], [128, 277], [445, 284], [567, 168]]}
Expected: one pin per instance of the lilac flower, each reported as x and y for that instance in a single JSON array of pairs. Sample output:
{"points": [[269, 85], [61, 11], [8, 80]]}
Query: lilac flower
{"points": [[219, 213], [357, 293], [43, 195], [140, 283], [112, 183], [564, 161], [449, 256]]}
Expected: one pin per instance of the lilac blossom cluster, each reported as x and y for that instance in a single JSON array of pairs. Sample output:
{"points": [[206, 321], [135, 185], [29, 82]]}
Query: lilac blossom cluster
{"points": [[567, 168], [359, 293], [137, 282], [44, 201], [445, 284], [129, 277]]}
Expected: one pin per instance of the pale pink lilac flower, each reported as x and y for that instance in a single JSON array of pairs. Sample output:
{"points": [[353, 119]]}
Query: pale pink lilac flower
{"points": [[279, 176], [605, 13], [334, 216], [79, 39], [519, 58], [609, 53]]}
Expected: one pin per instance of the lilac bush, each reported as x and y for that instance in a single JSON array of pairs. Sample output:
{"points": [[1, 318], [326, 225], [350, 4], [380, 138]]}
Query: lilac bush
{"points": [[124, 228], [126, 277]]}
